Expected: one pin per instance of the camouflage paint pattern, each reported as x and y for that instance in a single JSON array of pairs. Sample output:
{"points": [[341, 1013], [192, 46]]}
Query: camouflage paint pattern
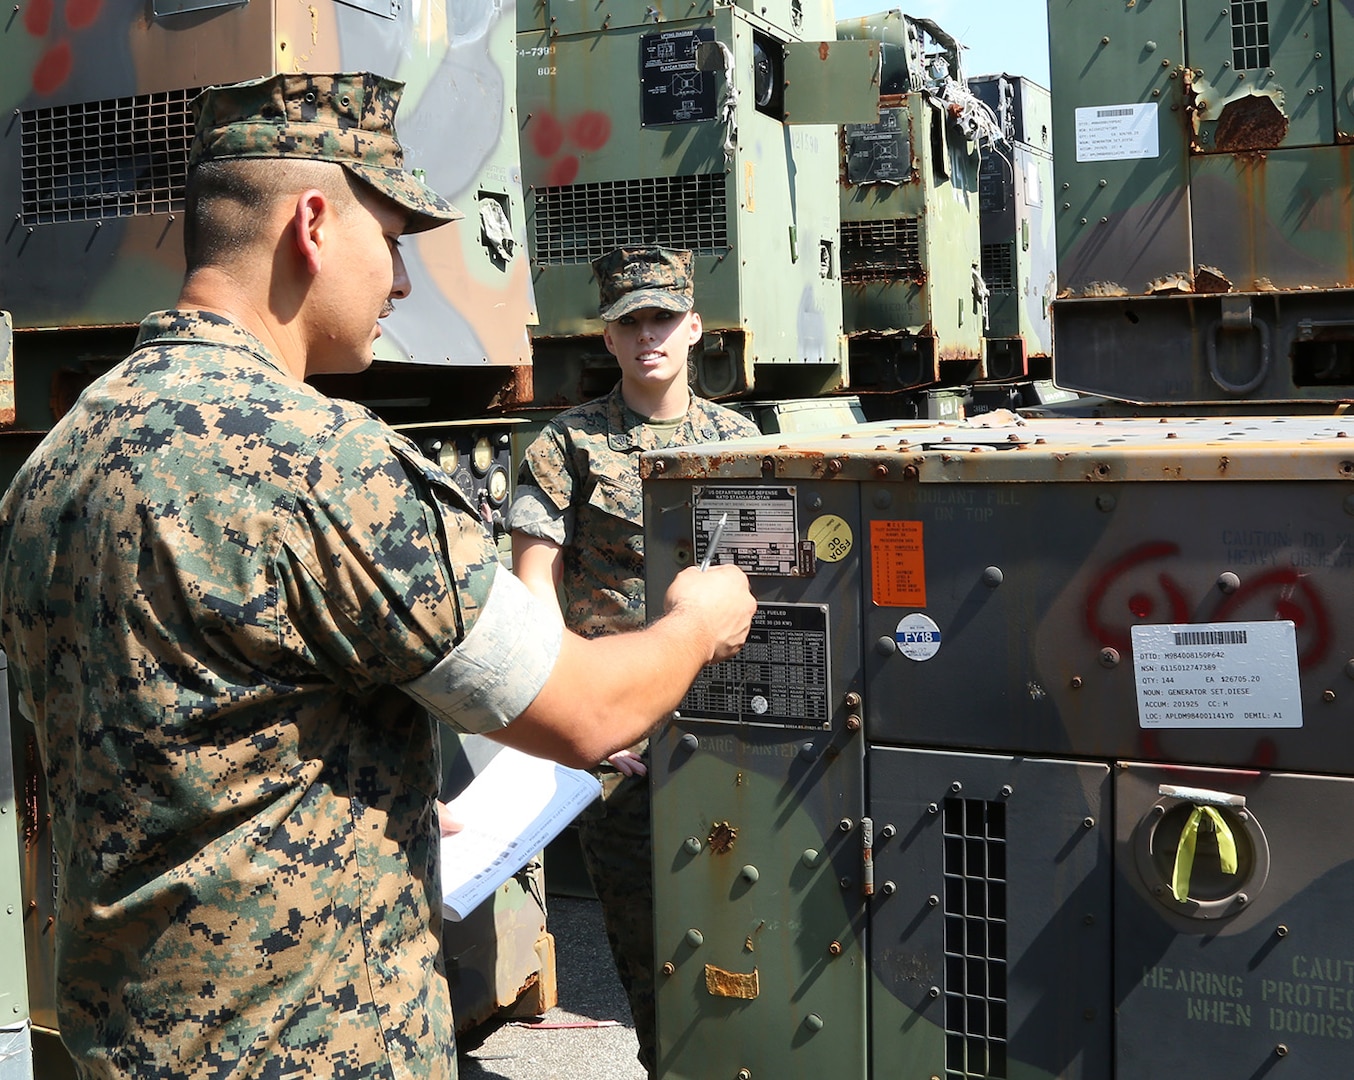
{"points": [[471, 300], [230, 542]]}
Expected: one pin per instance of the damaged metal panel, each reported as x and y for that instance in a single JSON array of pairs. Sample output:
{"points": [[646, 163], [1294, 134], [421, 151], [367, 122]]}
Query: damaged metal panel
{"points": [[1261, 74], [832, 82], [1120, 144], [913, 300]]}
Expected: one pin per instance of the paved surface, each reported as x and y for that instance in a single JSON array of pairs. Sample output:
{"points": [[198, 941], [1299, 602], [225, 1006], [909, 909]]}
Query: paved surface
{"points": [[589, 994]]}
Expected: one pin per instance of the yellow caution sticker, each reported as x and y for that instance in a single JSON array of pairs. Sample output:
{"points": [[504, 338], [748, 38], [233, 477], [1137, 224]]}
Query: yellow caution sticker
{"points": [[832, 538]]}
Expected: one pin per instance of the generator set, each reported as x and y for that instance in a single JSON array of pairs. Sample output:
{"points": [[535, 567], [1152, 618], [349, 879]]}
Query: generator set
{"points": [[1036, 761]]}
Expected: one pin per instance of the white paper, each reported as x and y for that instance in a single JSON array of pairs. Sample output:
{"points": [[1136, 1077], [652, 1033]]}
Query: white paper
{"points": [[514, 807]]}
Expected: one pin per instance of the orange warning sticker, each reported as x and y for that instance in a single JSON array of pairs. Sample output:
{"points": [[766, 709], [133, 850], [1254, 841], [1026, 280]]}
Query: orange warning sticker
{"points": [[899, 564]]}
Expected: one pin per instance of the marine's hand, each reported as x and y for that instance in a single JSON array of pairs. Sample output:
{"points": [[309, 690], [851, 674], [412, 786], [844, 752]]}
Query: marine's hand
{"points": [[719, 601], [629, 763], [446, 824]]}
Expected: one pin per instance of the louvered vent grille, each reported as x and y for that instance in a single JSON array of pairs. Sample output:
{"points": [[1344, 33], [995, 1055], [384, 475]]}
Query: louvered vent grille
{"points": [[996, 266], [576, 223], [880, 250], [975, 940], [104, 159]]}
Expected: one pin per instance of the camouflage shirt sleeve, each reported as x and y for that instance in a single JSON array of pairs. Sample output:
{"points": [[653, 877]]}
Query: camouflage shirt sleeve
{"points": [[387, 573], [534, 514]]}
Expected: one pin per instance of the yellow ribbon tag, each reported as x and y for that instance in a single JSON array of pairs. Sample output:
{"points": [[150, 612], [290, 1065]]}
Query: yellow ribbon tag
{"points": [[1184, 853]]}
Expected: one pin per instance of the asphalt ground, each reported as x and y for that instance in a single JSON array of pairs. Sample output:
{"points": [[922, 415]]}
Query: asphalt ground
{"points": [[589, 1034]]}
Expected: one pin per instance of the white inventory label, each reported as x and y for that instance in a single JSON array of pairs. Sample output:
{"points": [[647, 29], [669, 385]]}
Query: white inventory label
{"points": [[1217, 675], [1117, 132]]}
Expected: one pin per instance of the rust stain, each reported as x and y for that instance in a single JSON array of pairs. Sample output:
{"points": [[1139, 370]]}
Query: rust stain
{"points": [[1209, 279], [731, 984], [1253, 122], [722, 837], [822, 50]]}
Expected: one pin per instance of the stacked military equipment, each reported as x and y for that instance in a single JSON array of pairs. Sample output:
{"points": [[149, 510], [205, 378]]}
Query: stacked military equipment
{"points": [[706, 129], [1015, 196], [1036, 763], [914, 299]]}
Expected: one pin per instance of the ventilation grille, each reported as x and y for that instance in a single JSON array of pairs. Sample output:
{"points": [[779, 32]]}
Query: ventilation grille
{"points": [[996, 266], [881, 250], [105, 159], [1250, 34], [975, 940], [576, 223]]}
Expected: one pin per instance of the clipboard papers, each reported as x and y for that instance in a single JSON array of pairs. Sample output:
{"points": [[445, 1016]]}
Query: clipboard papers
{"points": [[514, 807]]}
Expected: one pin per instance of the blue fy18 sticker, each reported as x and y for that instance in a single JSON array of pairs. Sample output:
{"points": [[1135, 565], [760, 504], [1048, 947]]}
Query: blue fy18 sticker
{"points": [[917, 636]]}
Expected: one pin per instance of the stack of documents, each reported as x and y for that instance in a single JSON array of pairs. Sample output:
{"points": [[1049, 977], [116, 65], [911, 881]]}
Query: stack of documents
{"points": [[514, 807]]}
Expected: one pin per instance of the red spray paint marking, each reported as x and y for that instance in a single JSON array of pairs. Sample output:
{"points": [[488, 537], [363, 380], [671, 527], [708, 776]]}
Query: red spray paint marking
{"points": [[81, 14], [38, 17], [563, 171], [547, 135], [1286, 594], [590, 130], [1103, 626], [54, 68]]}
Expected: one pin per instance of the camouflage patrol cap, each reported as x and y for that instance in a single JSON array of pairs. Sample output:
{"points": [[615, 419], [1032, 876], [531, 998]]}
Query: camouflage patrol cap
{"points": [[631, 278], [347, 118]]}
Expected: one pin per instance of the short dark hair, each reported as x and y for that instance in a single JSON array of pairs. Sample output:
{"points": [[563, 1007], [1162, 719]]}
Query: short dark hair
{"points": [[223, 200]]}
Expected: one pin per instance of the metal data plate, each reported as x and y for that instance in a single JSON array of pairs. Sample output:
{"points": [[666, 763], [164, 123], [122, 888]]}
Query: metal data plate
{"points": [[780, 677]]}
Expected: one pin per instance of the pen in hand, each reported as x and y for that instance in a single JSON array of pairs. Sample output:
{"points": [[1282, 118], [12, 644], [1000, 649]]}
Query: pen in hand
{"points": [[715, 537]]}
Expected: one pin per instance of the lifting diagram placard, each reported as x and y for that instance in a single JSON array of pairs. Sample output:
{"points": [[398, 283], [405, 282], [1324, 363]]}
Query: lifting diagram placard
{"points": [[672, 89], [1217, 675], [780, 677]]}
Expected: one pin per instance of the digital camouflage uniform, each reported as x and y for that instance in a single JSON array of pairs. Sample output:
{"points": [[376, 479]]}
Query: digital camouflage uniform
{"points": [[230, 604], [579, 486]]}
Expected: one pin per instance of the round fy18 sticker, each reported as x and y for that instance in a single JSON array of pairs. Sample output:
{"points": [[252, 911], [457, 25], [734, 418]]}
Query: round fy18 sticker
{"points": [[918, 636]]}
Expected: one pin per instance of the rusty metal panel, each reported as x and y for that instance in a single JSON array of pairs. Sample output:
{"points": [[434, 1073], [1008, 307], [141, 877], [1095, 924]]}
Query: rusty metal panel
{"points": [[990, 890], [832, 82], [1298, 206], [1005, 584], [1123, 197], [1261, 74], [1225, 350], [757, 845], [913, 305], [1253, 969]]}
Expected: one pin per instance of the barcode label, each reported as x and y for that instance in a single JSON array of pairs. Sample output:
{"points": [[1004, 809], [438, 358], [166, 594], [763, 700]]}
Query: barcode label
{"points": [[1211, 637], [1114, 112]]}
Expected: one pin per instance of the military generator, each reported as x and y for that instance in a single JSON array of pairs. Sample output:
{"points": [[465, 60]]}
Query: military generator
{"points": [[1036, 764], [705, 128]]}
